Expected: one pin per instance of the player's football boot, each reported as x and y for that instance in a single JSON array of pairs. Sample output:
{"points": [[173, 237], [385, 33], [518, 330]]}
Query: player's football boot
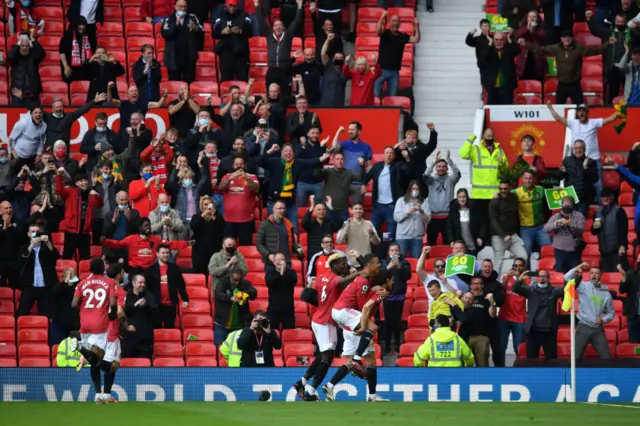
{"points": [[328, 394], [299, 387], [81, 363], [308, 397], [357, 369], [376, 398], [99, 399], [110, 400]]}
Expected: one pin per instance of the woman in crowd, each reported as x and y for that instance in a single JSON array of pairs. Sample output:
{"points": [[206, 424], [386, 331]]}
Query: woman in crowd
{"points": [[362, 78], [185, 196], [530, 65], [466, 224], [411, 215]]}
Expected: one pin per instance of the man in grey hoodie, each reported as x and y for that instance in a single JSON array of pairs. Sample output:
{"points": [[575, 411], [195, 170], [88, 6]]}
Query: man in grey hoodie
{"points": [[595, 309], [441, 185], [27, 139]]}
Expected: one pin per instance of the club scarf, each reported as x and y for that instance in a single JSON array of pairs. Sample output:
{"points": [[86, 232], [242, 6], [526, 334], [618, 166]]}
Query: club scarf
{"points": [[80, 52], [287, 180], [159, 164]]}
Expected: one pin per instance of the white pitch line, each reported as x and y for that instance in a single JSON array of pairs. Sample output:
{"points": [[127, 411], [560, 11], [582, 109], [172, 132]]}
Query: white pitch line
{"points": [[612, 405]]}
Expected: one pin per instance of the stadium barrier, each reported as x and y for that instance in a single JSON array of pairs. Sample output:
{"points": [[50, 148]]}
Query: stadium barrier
{"points": [[618, 385], [381, 125]]}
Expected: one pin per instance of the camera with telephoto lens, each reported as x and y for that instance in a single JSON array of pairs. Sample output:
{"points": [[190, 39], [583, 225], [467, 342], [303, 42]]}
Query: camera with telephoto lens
{"points": [[264, 323]]}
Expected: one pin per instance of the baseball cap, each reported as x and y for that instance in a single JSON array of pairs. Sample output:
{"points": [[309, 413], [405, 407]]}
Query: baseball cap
{"points": [[231, 2], [566, 33], [583, 106], [80, 176], [606, 192], [262, 123]]}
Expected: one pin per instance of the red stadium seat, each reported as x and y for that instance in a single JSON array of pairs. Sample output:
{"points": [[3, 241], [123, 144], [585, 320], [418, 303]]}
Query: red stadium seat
{"points": [[255, 265], [135, 362], [134, 43], [7, 322], [167, 349], [198, 280], [54, 28], [195, 322], [225, 86], [7, 350], [55, 87], [592, 70], [250, 252], [258, 73], [420, 293], [35, 362], [8, 362], [113, 14], [201, 307], [112, 43], [420, 306], [6, 307], [198, 293], [586, 39], [204, 87], [546, 264], [33, 322], [201, 362], [256, 278], [79, 87], [404, 362], [529, 86], [401, 101], [367, 44], [406, 14], [144, 29], [110, 29], [49, 14], [416, 335], [7, 335], [298, 349], [369, 14], [522, 99], [33, 335], [49, 98], [258, 305], [198, 335], [206, 73], [33, 349], [408, 349], [258, 44], [302, 321], [297, 335], [166, 335], [592, 87], [201, 349], [51, 58], [628, 350], [50, 73], [623, 336], [168, 362], [418, 321]]}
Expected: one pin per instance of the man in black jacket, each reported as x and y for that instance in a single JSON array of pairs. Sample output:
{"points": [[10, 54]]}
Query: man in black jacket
{"points": [[229, 295], [234, 119], [505, 225], [630, 285], [38, 276], [257, 342], [281, 280], [233, 30], [11, 238], [418, 154], [498, 69], [147, 74], [611, 226], [309, 184], [199, 136], [102, 69], [164, 280], [24, 59], [140, 308], [542, 314], [491, 285], [59, 124], [279, 41], [97, 141], [75, 10], [299, 122], [394, 303], [319, 221], [579, 171], [180, 30], [124, 221], [387, 176], [480, 41]]}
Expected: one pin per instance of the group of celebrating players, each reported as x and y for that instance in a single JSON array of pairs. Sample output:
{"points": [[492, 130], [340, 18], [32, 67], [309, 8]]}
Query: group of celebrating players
{"points": [[347, 298], [344, 296]]}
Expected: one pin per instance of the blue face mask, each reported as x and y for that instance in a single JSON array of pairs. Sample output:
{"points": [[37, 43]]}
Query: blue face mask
{"points": [[181, 13], [26, 3], [147, 176], [203, 121], [164, 209], [121, 207], [4, 160], [187, 183], [106, 176], [74, 280]]}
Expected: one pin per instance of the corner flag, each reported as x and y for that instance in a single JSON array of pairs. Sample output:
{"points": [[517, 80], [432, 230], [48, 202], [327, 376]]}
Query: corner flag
{"points": [[569, 295]]}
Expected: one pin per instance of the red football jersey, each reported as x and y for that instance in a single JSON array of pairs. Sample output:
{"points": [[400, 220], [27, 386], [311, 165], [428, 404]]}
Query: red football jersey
{"points": [[355, 295], [114, 325], [328, 292], [94, 293]]}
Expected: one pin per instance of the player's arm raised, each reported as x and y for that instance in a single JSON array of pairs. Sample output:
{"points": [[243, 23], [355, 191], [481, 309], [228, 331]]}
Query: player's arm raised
{"points": [[345, 281]]}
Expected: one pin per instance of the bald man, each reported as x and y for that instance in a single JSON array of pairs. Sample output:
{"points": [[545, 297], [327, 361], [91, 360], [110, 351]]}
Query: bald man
{"points": [[10, 241], [125, 222], [165, 221]]}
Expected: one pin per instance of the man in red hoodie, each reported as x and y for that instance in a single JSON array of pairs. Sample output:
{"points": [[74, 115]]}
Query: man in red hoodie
{"points": [[79, 203], [154, 11], [144, 192], [142, 247], [160, 155]]}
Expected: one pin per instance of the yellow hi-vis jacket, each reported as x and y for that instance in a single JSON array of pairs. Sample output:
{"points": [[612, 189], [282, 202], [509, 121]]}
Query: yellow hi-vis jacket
{"points": [[66, 358], [443, 348], [486, 171], [440, 307], [230, 351]]}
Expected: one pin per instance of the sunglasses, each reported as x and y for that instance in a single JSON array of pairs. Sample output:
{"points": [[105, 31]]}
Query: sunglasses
{"points": [[327, 242], [439, 266]]}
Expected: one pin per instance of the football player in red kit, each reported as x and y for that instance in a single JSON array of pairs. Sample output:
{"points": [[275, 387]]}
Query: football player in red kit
{"points": [[95, 297], [329, 287], [353, 312]]}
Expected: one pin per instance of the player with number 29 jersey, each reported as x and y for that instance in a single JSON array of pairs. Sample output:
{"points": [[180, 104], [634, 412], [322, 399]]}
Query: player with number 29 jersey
{"points": [[95, 293]]}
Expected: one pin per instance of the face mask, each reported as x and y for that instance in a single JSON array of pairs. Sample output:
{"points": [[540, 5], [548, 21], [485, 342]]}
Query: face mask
{"points": [[338, 62], [56, 115], [326, 252], [147, 176], [203, 121], [543, 285], [101, 129], [567, 210], [621, 28], [181, 13], [106, 176], [187, 183], [230, 250], [164, 209], [34, 235], [488, 142], [4, 160], [74, 280], [414, 194], [212, 155], [122, 208], [25, 3], [60, 154]]}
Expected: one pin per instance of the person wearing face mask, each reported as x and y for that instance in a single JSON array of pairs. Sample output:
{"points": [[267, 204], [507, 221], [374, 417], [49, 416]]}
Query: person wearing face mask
{"points": [[63, 159], [333, 83], [98, 140], [59, 122], [567, 227], [397, 265], [185, 194], [611, 226], [101, 69], [311, 71], [411, 213], [223, 261], [488, 161], [613, 55], [202, 133], [581, 172], [207, 228], [182, 31], [541, 326], [144, 191], [107, 185], [5, 170], [160, 155], [441, 185], [165, 221], [147, 74], [80, 203], [418, 154], [64, 319], [125, 222]]}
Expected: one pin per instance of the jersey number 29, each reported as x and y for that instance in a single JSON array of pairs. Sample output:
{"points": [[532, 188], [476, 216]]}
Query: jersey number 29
{"points": [[99, 295]]}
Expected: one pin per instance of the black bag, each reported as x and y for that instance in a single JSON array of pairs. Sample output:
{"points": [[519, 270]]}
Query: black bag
{"points": [[309, 295], [579, 244]]}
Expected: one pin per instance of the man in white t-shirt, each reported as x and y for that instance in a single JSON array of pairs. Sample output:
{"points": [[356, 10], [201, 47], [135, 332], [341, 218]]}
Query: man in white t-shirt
{"points": [[585, 128]]}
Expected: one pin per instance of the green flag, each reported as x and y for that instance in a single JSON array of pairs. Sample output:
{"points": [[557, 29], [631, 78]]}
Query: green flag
{"points": [[555, 196], [516, 170], [464, 265], [192, 337], [552, 69], [497, 23]]}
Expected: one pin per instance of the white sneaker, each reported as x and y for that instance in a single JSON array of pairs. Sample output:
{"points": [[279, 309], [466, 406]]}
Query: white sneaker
{"points": [[376, 398], [328, 394], [100, 399]]}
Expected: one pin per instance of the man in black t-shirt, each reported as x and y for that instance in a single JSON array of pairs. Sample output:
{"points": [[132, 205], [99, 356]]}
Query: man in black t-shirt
{"points": [[133, 104], [182, 111], [334, 82], [311, 72], [477, 325], [390, 54]]}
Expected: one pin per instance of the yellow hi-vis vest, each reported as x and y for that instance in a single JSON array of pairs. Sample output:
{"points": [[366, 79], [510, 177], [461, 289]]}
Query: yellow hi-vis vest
{"points": [[66, 358], [443, 348], [230, 351], [486, 170]]}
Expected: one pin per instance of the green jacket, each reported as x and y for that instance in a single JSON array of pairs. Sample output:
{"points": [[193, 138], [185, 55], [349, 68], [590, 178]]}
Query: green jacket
{"points": [[230, 351]]}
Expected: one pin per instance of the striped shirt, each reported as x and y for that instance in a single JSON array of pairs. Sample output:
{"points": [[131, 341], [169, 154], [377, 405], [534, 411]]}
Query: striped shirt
{"points": [[531, 206]]}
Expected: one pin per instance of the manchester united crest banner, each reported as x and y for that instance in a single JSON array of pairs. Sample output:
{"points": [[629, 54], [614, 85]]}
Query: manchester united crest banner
{"points": [[511, 123]]}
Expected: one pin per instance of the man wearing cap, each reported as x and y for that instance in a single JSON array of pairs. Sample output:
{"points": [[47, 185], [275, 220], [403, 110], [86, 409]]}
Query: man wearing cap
{"points": [[233, 30], [611, 226], [631, 73], [79, 204], [586, 129], [568, 56]]}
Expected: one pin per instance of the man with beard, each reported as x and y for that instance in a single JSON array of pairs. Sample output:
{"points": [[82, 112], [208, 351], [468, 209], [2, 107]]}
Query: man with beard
{"points": [[308, 182], [238, 149], [355, 150]]}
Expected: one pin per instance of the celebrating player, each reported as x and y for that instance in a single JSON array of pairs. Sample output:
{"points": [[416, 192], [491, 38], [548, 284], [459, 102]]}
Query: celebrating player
{"points": [[95, 297], [111, 360], [353, 313], [324, 329]]}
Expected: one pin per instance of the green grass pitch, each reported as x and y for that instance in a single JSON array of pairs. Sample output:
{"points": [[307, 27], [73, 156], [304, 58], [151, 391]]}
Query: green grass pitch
{"points": [[320, 414]]}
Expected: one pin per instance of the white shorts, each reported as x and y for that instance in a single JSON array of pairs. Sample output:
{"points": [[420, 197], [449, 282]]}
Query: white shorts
{"points": [[351, 342], [97, 340], [347, 319], [113, 351], [326, 336]]}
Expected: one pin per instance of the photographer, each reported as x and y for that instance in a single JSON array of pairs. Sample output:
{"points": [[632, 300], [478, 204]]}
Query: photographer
{"points": [[257, 342]]}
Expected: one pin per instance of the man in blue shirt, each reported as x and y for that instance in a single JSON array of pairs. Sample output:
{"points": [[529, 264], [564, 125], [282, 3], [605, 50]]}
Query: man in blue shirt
{"points": [[353, 149]]}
